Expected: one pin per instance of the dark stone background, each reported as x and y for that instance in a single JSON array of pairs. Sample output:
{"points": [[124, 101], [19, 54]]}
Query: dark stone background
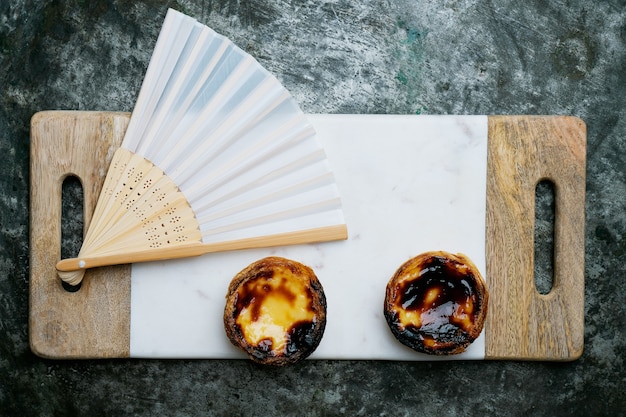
{"points": [[342, 56]]}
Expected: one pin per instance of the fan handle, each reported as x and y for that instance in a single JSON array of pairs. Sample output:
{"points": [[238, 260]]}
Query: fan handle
{"points": [[72, 270]]}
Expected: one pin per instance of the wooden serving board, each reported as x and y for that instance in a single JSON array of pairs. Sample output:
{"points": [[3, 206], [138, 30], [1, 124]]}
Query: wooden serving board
{"points": [[94, 322]]}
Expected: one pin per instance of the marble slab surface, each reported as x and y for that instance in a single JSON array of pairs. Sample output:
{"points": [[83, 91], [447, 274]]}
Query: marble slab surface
{"points": [[409, 184]]}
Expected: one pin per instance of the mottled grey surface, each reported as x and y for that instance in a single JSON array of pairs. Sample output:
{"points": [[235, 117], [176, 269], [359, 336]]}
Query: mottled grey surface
{"points": [[343, 56]]}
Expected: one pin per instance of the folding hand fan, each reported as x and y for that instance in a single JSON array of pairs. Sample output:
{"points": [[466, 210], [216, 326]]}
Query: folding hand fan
{"points": [[217, 156]]}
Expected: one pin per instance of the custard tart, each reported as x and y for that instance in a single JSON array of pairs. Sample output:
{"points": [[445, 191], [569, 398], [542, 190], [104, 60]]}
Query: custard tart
{"points": [[275, 311], [436, 303]]}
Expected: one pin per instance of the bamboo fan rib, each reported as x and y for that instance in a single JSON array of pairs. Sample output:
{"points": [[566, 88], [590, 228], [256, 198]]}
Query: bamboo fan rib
{"points": [[217, 156]]}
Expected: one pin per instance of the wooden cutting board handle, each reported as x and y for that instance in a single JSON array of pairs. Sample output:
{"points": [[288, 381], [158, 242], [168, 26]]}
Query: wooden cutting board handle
{"points": [[93, 322], [522, 323]]}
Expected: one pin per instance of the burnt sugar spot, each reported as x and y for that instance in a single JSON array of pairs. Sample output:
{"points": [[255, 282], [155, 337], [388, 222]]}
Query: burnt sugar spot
{"points": [[281, 290], [300, 336], [440, 293], [265, 345], [247, 292]]}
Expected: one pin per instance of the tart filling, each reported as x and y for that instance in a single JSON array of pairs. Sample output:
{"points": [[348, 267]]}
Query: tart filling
{"points": [[436, 303], [275, 311]]}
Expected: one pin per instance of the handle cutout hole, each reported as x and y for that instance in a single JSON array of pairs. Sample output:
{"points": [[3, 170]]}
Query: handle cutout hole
{"points": [[545, 200], [72, 222]]}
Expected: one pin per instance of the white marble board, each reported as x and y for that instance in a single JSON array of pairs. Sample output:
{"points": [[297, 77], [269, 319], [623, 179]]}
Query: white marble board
{"points": [[408, 184]]}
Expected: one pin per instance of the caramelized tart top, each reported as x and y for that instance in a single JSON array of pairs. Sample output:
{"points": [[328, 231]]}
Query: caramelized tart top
{"points": [[436, 303], [269, 305], [275, 311]]}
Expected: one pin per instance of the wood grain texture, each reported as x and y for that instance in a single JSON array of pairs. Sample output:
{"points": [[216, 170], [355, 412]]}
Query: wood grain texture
{"points": [[93, 322], [523, 324]]}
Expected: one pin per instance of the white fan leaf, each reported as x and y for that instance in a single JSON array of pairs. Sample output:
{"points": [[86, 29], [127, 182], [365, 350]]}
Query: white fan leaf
{"points": [[217, 153]]}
